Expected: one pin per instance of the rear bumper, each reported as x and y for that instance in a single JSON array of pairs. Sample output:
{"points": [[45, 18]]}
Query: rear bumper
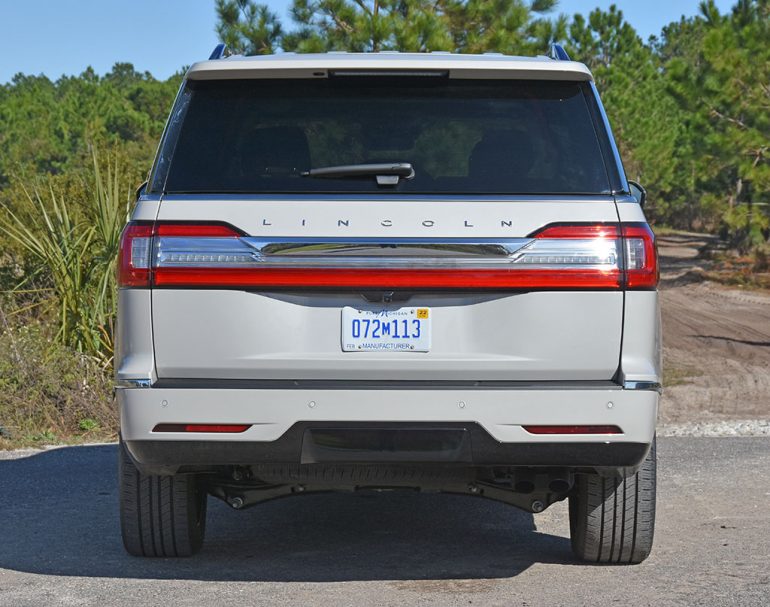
{"points": [[488, 423], [477, 448]]}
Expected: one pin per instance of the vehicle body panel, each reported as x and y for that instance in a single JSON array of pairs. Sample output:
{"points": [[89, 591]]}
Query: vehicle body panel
{"points": [[529, 336], [513, 336], [502, 412]]}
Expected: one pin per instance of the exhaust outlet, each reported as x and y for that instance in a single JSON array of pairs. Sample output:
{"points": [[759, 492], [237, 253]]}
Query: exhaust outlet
{"points": [[560, 485], [524, 486], [524, 482]]}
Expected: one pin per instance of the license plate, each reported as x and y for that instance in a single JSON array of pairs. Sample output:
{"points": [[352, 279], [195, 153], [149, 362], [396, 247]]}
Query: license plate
{"points": [[401, 330]]}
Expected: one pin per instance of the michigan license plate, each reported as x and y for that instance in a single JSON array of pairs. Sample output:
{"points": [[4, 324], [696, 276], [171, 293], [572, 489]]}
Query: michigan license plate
{"points": [[401, 330]]}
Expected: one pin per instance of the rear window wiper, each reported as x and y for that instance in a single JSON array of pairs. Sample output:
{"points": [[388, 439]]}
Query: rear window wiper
{"points": [[386, 173]]}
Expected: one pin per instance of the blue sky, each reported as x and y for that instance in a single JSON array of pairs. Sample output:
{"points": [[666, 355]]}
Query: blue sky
{"points": [[58, 37]]}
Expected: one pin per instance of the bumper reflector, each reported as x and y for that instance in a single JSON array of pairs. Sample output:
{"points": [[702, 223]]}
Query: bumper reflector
{"points": [[573, 429], [220, 428]]}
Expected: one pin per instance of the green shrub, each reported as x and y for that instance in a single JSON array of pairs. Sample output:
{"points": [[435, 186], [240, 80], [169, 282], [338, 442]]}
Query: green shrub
{"points": [[74, 248], [88, 425]]}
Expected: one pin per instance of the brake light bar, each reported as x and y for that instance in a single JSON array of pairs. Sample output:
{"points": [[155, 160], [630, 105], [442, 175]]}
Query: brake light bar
{"points": [[383, 278], [577, 256]]}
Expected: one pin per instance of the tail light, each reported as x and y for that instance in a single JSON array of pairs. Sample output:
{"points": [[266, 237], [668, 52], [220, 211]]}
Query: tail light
{"points": [[140, 239], [134, 255], [641, 257], [581, 256]]}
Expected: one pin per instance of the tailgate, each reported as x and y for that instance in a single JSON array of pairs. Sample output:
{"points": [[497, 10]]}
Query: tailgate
{"points": [[504, 331]]}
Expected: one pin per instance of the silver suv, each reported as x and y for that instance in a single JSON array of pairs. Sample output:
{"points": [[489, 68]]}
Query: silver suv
{"points": [[382, 271]]}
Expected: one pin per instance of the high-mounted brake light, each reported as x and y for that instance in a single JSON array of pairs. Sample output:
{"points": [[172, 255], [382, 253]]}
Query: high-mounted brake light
{"points": [[577, 256]]}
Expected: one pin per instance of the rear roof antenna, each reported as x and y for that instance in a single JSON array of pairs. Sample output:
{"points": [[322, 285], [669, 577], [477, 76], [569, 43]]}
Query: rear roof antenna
{"points": [[219, 51], [557, 52]]}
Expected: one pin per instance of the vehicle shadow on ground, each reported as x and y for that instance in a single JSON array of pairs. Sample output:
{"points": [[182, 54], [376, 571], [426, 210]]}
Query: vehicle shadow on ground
{"points": [[58, 516]]}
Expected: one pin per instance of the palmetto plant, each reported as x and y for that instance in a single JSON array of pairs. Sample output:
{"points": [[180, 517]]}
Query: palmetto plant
{"points": [[77, 252]]}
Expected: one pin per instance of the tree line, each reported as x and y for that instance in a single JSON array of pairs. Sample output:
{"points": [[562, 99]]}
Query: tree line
{"points": [[690, 107]]}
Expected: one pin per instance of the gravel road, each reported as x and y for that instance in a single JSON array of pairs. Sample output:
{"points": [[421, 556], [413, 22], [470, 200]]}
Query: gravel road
{"points": [[59, 543]]}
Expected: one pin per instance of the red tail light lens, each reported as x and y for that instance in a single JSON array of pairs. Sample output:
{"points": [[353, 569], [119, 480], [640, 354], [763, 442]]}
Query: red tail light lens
{"points": [[134, 255], [580, 231], [641, 257], [383, 279], [203, 230]]}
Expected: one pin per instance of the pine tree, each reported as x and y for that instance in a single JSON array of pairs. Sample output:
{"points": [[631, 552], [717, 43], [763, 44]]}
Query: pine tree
{"points": [[247, 28]]}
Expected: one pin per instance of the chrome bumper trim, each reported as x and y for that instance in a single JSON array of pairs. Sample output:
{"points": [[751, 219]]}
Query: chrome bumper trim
{"points": [[643, 385], [133, 383]]}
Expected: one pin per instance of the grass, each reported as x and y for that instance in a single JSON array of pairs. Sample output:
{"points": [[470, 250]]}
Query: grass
{"points": [[663, 230], [678, 376], [50, 393]]}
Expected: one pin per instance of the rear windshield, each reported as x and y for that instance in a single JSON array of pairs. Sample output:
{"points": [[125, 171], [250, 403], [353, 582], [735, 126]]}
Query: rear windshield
{"points": [[460, 136]]}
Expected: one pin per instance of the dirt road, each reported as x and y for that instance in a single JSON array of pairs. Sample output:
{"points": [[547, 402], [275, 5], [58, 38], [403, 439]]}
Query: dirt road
{"points": [[716, 342]]}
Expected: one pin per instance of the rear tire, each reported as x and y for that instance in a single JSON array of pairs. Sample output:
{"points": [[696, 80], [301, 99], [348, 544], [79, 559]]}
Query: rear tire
{"points": [[612, 520], [159, 515]]}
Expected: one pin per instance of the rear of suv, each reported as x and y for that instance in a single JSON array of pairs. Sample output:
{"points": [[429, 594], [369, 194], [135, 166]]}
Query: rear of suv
{"points": [[383, 271]]}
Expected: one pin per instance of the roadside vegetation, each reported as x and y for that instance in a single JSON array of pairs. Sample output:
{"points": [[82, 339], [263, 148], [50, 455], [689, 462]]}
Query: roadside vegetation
{"points": [[57, 308], [747, 271], [690, 109]]}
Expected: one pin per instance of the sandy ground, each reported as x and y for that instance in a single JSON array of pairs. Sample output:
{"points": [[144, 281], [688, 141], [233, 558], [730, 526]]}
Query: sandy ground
{"points": [[716, 342]]}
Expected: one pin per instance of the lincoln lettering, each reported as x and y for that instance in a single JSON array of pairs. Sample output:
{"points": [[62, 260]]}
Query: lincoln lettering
{"points": [[389, 223]]}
